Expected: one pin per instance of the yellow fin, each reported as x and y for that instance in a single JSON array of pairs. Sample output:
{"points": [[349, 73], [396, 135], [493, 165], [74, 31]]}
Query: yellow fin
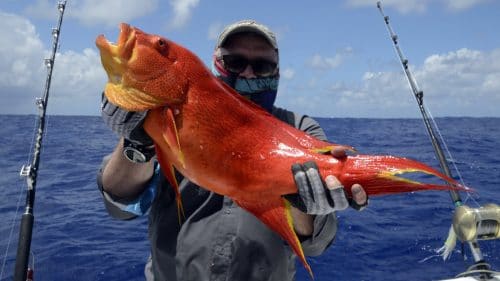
{"points": [[169, 172], [275, 213], [170, 134], [330, 148]]}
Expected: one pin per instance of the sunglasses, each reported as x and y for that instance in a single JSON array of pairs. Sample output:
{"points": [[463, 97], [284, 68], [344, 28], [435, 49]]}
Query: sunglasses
{"points": [[238, 63]]}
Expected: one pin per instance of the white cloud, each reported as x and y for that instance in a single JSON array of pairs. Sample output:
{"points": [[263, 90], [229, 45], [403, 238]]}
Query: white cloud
{"points": [[464, 78], [214, 30], [461, 82], [77, 77], [458, 83], [21, 62], [419, 6], [401, 6], [95, 12], [182, 12], [78, 81], [43, 9], [287, 73], [324, 63], [458, 5], [16, 59], [320, 62]]}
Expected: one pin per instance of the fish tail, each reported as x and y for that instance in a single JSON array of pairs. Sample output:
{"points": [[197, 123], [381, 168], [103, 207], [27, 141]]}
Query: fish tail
{"points": [[380, 175]]}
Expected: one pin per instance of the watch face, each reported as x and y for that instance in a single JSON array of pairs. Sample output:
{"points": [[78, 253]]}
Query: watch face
{"points": [[134, 155]]}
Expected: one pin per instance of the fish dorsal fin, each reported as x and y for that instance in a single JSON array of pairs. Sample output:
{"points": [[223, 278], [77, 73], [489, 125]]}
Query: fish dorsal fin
{"points": [[275, 213], [170, 134]]}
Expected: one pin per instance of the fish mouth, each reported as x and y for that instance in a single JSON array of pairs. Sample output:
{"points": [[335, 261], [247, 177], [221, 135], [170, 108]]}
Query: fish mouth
{"points": [[114, 57]]}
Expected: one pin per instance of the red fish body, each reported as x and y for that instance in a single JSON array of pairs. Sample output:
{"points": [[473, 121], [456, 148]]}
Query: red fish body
{"points": [[223, 142]]}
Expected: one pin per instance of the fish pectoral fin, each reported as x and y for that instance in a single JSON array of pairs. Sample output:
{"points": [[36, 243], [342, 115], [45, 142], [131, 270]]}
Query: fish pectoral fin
{"points": [[170, 134], [169, 172], [275, 213]]}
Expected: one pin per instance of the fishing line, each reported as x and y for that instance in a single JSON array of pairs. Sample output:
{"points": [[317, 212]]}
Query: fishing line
{"points": [[451, 159], [12, 226], [29, 154], [441, 252], [445, 146]]}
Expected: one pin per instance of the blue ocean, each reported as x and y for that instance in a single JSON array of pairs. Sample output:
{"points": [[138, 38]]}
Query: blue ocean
{"points": [[395, 238]]}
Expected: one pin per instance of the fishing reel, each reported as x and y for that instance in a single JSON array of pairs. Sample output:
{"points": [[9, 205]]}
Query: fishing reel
{"points": [[481, 223]]}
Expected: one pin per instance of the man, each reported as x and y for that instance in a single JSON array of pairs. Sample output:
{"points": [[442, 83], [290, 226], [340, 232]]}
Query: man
{"points": [[218, 240]]}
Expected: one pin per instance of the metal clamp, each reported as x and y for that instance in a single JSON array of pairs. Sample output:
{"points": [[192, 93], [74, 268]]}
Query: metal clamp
{"points": [[25, 171]]}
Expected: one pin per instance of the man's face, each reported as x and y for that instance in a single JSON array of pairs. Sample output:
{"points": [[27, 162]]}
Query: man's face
{"points": [[250, 56]]}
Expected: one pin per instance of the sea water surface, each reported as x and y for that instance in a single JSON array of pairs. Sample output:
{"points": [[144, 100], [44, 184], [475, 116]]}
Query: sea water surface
{"points": [[395, 238]]}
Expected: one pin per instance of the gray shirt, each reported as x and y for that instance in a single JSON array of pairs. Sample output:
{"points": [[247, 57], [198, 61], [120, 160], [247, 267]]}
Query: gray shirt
{"points": [[218, 240]]}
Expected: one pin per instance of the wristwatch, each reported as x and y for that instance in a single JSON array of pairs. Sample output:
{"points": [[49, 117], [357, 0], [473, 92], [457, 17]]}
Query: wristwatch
{"points": [[137, 153]]}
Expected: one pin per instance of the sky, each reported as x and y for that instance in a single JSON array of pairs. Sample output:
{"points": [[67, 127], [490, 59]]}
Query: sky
{"points": [[336, 57]]}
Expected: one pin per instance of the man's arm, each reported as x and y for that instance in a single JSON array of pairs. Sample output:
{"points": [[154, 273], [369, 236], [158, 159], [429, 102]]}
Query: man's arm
{"points": [[128, 189], [125, 179], [128, 186]]}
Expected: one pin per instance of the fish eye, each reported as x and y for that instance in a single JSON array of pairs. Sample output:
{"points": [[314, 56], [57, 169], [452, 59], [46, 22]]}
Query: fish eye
{"points": [[161, 45]]}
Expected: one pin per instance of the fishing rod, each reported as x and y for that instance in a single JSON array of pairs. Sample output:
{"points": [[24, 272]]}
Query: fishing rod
{"points": [[21, 270], [468, 224], [419, 96]]}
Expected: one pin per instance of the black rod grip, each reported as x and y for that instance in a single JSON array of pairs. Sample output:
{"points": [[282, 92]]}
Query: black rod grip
{"points": [[23, 249]]}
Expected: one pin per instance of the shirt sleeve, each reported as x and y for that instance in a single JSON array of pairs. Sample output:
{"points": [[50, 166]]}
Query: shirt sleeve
{"points": [[128, 208], [325, 228], [302, 122], [309, 126]]}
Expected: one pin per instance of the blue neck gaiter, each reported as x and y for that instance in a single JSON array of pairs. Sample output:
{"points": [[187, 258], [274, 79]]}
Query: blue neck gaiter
{"points": [[261, 91]]}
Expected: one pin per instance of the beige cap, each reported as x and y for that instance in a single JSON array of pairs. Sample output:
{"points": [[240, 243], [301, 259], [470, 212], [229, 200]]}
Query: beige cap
{"points": [[247, 26]]}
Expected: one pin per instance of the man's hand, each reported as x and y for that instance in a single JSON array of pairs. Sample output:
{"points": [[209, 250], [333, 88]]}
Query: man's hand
{"points": [[359, 198], [125, 123], [318, 197]]}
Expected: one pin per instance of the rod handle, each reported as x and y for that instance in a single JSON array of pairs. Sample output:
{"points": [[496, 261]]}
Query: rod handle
{"points": [[23, 249]]}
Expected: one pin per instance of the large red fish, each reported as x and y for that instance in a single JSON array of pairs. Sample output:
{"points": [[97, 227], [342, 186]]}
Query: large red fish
{"points": [[225, 143]]}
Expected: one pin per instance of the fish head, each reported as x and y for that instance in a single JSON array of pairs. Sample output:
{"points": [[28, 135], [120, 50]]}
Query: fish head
{"points": [[145, 71]]}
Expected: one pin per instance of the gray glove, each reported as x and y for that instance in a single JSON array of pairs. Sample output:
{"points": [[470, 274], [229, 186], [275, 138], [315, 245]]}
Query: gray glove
{"points": [[125, 123], [314, 197]]}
